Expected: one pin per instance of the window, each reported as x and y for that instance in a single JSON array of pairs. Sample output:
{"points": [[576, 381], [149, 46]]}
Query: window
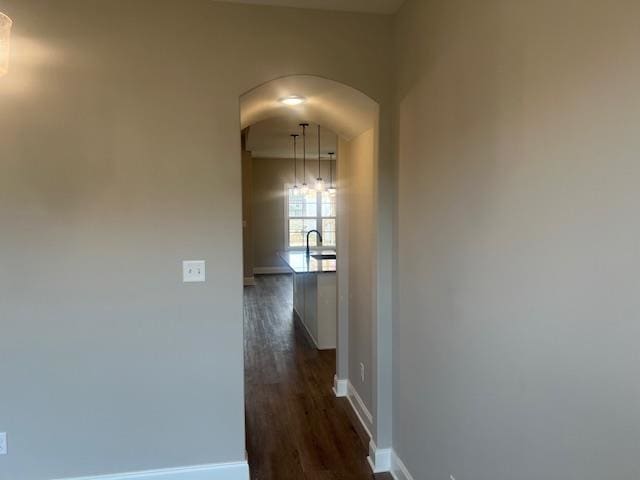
{"points": [[310, 211]]}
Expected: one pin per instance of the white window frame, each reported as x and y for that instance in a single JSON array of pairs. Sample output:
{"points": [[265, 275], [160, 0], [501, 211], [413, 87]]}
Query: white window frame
{"points": [[318, 218]]}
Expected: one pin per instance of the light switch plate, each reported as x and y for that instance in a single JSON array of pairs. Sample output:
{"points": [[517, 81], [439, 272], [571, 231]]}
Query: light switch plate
{"points": [[3, 443], [193, 271]]}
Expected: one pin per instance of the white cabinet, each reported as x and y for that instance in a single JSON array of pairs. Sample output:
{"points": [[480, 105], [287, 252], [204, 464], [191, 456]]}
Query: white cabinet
{"points": [[314, 303]]}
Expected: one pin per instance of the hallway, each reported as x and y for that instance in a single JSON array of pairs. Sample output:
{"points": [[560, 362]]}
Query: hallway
{"points": [[296, 428]]}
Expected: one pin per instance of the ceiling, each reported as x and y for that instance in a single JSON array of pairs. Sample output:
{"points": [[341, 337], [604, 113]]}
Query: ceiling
{"points": [[339, 108], [368, 6], [342, 112], [272, 139]]}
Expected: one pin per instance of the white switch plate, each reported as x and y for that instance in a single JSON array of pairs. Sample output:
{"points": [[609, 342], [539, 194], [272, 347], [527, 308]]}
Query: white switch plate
{"points": [[3, 443], [362, 372], [193, 271]]}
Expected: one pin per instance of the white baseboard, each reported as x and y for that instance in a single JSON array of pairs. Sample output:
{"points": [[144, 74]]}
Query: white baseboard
{"points": [[270, 270], [379, 458], [358, 406], [399, 471], [340, 387], [220, 471]]}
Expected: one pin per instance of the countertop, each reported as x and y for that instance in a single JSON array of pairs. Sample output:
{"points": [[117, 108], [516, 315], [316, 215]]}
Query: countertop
{"points": [[298, 261]]}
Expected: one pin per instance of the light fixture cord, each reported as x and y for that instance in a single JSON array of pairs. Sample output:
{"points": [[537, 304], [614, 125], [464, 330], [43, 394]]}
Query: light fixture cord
{"points": [[295, 159], [304, 152], [319, 174], [335, 167], [330, 169]]}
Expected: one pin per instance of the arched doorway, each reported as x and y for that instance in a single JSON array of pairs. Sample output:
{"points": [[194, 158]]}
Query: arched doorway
{"points": [[363, 353]]}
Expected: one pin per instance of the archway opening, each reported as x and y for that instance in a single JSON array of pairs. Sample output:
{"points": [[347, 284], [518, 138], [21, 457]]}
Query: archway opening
{"points": [[348, 125]]}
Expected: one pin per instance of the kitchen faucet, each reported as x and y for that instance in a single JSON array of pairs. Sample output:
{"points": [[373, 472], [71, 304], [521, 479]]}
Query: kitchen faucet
{"points": [[319, 238]]}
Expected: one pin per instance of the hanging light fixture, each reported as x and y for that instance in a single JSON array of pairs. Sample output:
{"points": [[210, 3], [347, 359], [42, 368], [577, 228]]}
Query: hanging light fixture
{"points": [[319, 181], [5, 37], [304, 188], [296, 189], [332, 188]]}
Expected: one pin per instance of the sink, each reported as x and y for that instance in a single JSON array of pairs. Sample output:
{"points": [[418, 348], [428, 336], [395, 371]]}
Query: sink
{"points": [[324, 256]]}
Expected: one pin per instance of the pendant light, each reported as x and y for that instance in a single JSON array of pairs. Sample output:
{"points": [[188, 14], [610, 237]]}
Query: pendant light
{"points": [[5, 36], [332, 188], [296, 189], [304, 188], [319, 181]]}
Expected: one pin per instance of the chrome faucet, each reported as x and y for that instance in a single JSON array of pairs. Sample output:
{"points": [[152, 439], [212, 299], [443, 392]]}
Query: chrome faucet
{"points": [[319, 238]]}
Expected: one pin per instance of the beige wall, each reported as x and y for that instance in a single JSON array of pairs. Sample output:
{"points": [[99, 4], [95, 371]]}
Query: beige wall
{"points": [[357, 200], [515, 351], [119, 158], [269, 178]]}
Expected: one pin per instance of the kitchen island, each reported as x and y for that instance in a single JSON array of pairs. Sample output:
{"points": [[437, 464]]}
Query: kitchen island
{"points": [[314, 294]]}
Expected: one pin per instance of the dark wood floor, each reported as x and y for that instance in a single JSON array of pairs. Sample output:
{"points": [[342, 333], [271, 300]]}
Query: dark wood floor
{"points": [[296, 428]]}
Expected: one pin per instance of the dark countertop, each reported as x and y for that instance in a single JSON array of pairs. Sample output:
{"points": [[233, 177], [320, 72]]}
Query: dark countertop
{"points": [[298, 261]]}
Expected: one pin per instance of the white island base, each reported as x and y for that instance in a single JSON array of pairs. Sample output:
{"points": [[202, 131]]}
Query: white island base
{"points": [[314, 303]]}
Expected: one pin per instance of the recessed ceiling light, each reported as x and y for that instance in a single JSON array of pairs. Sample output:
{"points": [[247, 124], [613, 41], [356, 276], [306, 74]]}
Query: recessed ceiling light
{"points": [[293, 100]]}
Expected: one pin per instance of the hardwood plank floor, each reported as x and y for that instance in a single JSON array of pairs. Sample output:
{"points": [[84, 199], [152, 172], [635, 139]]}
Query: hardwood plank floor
{"points": [[296, 428]]}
